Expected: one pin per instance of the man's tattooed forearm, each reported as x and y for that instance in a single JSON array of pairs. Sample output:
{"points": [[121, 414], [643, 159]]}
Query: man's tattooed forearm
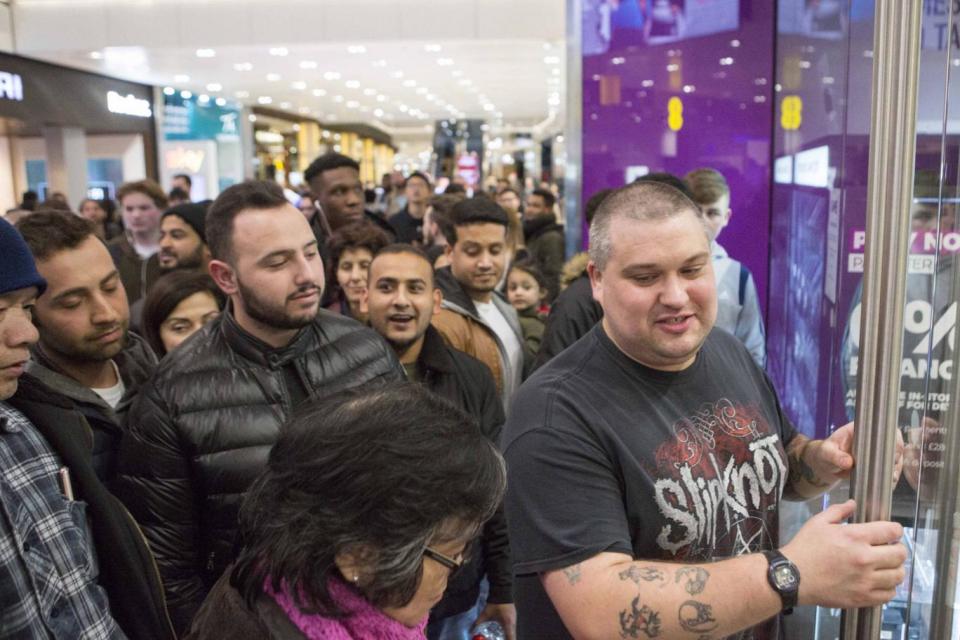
{"points": [[696, 579], [639, 619], [696, 617], [573, 574], [801, 471], [646, 574]]}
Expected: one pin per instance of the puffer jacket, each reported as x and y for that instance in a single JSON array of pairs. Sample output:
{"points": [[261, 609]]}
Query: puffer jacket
{"points": [[202, 429]]}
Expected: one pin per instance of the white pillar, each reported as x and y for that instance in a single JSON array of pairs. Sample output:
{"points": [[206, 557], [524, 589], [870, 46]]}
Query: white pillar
{"points": [[67, 162]]}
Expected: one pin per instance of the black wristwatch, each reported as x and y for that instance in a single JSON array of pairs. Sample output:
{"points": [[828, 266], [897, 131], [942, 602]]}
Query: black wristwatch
{"points": [[784, 577]]}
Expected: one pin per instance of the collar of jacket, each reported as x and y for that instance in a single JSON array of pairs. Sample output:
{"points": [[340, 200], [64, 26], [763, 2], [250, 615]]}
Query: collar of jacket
{"points": [[135, 362], [433, 354], [256, 350], [457, 300], [535, 227]]}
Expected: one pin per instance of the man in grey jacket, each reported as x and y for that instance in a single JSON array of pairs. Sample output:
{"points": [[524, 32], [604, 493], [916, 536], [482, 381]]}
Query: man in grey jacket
{"points": [[85, 352]]}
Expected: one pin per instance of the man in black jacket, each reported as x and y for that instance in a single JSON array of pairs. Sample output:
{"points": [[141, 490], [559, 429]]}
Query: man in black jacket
{"points": [[403, 298], [202, 429], [73, 563], [544, 237], [86, 353]]}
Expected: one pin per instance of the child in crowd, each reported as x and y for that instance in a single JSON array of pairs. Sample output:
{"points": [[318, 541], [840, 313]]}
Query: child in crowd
{"points": [[527, 291]]}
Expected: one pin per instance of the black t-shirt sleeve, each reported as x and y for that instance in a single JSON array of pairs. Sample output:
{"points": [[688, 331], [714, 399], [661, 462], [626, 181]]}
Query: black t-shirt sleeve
{"points": [[564, 503]]}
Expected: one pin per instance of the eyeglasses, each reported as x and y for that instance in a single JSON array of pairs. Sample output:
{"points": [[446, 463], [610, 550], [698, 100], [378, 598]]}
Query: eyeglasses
{"points": [[453, 564]]}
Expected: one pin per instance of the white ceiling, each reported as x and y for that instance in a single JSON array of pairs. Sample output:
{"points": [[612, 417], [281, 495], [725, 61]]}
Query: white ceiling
{"points": [[398, 64]]}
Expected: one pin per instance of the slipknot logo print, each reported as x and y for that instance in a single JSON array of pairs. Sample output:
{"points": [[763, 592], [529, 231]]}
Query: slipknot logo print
{"points": [[719, 480]]}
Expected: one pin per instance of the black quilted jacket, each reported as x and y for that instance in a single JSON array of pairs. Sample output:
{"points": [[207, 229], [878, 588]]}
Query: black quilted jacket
{"points": [[203, 426]]}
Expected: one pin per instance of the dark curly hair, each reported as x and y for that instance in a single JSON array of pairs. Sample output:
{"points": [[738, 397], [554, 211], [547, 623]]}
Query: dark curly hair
{"points": [[339, 481], [361, 234]]}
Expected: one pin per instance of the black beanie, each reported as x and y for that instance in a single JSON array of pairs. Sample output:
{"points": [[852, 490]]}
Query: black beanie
{"points": [[17, 268], [194, 214]]}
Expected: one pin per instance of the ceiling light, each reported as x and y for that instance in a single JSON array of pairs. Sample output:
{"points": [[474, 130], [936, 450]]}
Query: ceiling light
{"points": [[422, 91], [489, 107], [243, 66], [308, 64], [432, 48], [397, 74], [265, 100], [456, 73], [551, 59], [647, 83], [285, 105], [445, 62], [252, 117], [203, 98], [726, 62], [181, 78], [242, 94], [299, 85], [430, 97], [206, 53], [380, 63], [403, 108], [186, 95], [169, 91], [615, 61], [689, 88], [304, 110], [734, 43], [279, 51], [370, 91], [378, 113], [96, 55], [331, 75], [352, 84], [319, 93], [352, 104], [221, 102], [410, 83], [338, 98], [381, 98], [273, 77], [214, 86], [357, 48]]}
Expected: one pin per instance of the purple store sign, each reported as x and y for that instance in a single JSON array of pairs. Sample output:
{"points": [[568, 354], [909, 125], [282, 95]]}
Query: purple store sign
{"points": [[675, 85]]}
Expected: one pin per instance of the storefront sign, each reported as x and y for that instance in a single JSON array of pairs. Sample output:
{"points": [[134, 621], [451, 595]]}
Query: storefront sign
{"points": [[11, 86], [128, 105]]}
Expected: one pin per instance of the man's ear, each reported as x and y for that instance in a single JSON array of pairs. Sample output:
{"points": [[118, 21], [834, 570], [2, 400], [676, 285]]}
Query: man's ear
{"points": [[437, 301], [224, 275], [596, 281], [447, 250]]}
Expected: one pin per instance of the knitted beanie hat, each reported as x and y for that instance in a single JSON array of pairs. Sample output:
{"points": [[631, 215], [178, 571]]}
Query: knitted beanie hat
{"points": [[17, 268], [194, 214]]}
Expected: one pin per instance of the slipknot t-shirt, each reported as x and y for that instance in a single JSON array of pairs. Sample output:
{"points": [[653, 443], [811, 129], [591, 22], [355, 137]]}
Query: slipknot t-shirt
{"points": [[605, 454]]}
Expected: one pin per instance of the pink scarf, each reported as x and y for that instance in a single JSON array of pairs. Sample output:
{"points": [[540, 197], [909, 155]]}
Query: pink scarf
{"points": [[364, 622]]}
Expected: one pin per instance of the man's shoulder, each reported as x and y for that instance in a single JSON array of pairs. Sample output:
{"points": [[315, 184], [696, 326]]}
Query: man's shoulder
{"points": [[345, 333], [476, 373]]}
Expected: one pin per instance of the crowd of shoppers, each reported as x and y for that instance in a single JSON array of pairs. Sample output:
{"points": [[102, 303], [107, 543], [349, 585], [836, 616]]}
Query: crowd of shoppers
{"points": [[305, 441]]}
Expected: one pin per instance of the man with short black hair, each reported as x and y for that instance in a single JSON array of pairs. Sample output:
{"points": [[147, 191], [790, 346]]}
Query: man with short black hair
{"points": [[73, 564], [475, 318], [408, 222], [184, 183], [86, 352], [544, 238], [205, 423], [403, 299]]}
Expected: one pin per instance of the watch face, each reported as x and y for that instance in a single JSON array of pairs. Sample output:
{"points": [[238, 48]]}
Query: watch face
{"points": [[785, 578]]}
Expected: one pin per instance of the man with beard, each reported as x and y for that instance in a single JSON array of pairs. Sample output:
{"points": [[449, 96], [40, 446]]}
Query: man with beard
{"points": [[85, 352], [183, 245], [205, 423], [475, 317], [402, 299]]}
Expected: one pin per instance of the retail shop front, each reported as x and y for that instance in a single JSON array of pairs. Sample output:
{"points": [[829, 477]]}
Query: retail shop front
{"points": [[69, 131]]}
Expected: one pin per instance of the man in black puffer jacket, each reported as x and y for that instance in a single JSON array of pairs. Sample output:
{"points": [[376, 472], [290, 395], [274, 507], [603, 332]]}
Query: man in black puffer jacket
{"points": [[202, 429]]}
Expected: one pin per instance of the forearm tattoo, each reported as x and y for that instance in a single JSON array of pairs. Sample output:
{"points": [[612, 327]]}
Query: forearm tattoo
{"points": [[696, 617], [801, 471], [644, 574], [696, 579], [573, 574], [639, 620]]}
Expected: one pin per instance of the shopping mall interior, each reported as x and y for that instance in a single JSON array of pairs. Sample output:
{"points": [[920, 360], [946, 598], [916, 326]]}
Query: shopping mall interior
{"points": [[835, 124]]}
